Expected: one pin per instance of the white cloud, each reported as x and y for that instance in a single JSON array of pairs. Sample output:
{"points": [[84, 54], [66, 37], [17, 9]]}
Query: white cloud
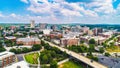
{"points": [[13, 15], [67, 12], [60, 7], [61, 11], [25, 1], [1, 15], [101, 6]]}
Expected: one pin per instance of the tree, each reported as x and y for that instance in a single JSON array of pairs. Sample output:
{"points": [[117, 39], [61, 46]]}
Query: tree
{"points": [[91, 41], [107, 54], [53, 53], [101, 50], [45, 59], [83, 49], [53, 64], [82, 41], [2, 49], [42, 43], [18, 51], [91, 47], [105, 45], [13, 50], [36, 47], [25, 50]]}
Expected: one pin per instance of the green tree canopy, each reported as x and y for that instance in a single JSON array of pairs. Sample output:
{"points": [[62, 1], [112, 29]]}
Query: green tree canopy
{"points": [[53, 64], [36, 47], [92, 41]]}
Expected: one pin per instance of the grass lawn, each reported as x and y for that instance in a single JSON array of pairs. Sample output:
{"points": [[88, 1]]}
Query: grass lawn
{"points": [[70, 64], [32, 58], [113, 49]]}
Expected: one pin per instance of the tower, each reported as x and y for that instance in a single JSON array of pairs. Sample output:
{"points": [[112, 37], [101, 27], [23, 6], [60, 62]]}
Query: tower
{"points": [[32, 24]]}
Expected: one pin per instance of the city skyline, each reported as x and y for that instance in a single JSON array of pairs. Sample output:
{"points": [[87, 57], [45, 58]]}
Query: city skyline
{"points": [[60, 11]]}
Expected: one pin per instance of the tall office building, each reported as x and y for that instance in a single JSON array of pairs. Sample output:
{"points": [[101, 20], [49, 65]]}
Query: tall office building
{"points": [[96, 31], [54, 27], [32, 24]]}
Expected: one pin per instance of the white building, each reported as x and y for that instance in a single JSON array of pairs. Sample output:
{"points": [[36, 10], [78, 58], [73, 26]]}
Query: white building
{"points": [[21, 64], [46, 31]]}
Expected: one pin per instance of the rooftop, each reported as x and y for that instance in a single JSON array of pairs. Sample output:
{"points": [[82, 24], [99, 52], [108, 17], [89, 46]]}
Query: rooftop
{"points": [[21, 64], [5, 54], [10, 37], [71, 34], [28, 39]]}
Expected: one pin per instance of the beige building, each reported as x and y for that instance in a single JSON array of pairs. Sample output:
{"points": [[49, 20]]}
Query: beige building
{"points": [[90, 32], [98, 39], [106, 34], [32, 24], [7, 58]]}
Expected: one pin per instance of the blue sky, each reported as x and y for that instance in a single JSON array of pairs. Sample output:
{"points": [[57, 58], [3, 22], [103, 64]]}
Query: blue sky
{"points": [[60, 11]]}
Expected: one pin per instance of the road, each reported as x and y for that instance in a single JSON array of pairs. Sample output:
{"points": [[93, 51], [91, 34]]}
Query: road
{"points": [[93, 64], [20, 57]]}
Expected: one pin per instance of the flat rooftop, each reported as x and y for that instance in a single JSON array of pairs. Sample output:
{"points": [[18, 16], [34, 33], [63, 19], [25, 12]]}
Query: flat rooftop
{"points": [[10, 37], [21, 64], [5, 54], [28, 39]]}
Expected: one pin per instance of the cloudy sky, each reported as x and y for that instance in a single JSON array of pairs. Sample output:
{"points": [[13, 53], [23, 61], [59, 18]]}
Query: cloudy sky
{"points": [[60, 11]]}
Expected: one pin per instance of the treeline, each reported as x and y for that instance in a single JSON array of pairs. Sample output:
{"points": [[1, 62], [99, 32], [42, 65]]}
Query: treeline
{"points": [[25, 49]]}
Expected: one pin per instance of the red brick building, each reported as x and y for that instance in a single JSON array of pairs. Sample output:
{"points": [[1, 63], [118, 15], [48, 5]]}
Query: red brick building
{"points": [[69, 41]]}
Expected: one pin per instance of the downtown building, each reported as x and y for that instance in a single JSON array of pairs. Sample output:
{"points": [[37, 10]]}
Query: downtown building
{"points": [[32, 24], [96, 31]]}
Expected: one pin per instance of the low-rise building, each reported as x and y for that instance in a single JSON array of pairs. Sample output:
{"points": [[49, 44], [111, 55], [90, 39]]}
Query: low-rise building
{"points": [[46, 31], [7, 58], [21, 64], [69, 41], [28, 41], [106, 34], [10, 38], [98, 39], [72, 34], [85, 38]]}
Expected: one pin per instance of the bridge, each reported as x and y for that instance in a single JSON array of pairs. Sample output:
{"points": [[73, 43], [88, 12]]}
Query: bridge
{"points": [[85, 60]]}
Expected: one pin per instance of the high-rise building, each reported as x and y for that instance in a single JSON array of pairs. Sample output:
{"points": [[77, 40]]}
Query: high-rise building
{"points": [[54, 27], [76, 29], [43, 25], [32, 24], [96, 31], [85, 29]]}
